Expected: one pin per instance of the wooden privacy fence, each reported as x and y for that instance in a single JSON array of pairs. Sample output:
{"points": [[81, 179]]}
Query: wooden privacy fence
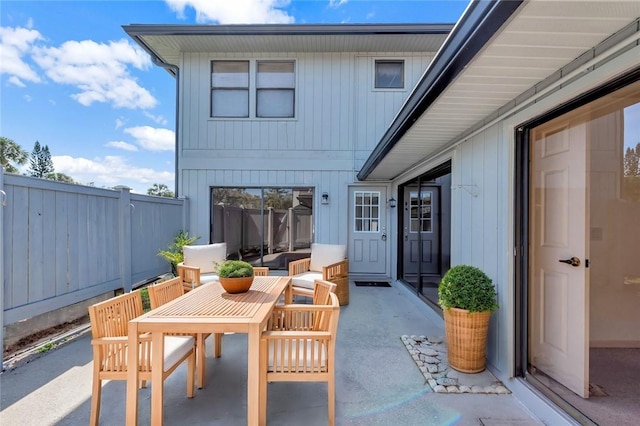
{"points": [[245, 230], [64, 243]]}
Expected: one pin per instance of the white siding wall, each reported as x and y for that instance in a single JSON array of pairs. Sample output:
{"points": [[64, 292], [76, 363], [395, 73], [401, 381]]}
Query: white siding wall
{"points": [[483, 226], [480, 222], [339, 119]]}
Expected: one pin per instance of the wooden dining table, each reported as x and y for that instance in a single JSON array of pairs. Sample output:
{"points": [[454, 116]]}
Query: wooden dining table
{"points": [[206, 309]]}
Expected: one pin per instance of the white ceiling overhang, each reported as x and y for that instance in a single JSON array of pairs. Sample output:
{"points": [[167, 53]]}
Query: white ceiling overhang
{"points": [[537, 39], [167, 43]]}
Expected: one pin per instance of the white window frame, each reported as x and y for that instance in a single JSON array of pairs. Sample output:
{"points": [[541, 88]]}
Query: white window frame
{"points": [[253, 89], [371, 219]]}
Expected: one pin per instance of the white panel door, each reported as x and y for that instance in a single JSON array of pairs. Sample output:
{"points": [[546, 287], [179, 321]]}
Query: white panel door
{"points": [[559, 305], [368, 230]]}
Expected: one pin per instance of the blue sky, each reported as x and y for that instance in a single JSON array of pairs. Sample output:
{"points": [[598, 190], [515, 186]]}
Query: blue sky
{"points": [[72, 79]]}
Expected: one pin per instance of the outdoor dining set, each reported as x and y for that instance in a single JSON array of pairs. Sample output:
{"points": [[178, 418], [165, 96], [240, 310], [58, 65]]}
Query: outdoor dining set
{"points": [[286, 341]]}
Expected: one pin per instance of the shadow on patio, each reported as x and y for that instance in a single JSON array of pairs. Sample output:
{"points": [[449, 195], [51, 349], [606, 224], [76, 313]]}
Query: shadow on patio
{"points": [[377, 382]]}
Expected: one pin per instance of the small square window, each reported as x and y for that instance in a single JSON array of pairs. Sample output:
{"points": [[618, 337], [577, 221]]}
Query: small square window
{"points": [[389, 75]]}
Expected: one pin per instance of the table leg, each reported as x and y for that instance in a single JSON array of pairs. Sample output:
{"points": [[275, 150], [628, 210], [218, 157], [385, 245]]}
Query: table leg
{"points": [[132, 376], [253, 375], [157, 382]]}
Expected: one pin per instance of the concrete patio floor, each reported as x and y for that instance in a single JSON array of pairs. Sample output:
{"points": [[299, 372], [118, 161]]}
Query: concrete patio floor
{"points": [[377, 382]]}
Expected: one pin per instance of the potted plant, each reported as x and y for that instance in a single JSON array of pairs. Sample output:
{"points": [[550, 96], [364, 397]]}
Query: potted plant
{"points": [[173, 253], [467, 297], [235, 276]]}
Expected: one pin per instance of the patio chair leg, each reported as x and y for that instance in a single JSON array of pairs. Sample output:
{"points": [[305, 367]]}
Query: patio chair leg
{"points": [[331, 391], [96, 394]]}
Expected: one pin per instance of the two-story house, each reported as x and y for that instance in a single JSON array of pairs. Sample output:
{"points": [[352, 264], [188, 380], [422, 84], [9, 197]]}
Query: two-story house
{"points": [[510, 146]]}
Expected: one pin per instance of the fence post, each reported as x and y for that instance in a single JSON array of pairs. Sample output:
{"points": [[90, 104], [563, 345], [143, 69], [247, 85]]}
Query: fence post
{"points": [[124, 239], [270, 231], [3, 199], [290, 225]]}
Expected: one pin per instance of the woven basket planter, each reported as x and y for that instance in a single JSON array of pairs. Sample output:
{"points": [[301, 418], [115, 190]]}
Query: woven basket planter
{"points": [[466, 335]]}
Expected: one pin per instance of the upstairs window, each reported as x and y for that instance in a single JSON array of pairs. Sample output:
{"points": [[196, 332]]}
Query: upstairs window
{"points": [[230, 89], [389, 74], [275, 89]]}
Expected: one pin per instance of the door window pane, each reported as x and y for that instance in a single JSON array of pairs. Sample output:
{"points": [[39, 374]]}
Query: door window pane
{"points": [[367, 211], [263, 226], [420, 212]]}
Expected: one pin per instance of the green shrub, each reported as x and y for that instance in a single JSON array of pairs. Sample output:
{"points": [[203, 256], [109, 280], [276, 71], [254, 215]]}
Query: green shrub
{"points": [[467, 287], [173, 253], [235, 269]]}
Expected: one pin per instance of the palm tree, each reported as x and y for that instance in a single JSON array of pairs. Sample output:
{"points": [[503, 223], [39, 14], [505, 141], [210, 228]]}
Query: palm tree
{"points": [[11, 152]]}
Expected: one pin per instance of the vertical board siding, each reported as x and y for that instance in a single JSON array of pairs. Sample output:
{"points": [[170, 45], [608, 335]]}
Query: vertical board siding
{"points": [[338, 116], [61, 243], [479, 234]]}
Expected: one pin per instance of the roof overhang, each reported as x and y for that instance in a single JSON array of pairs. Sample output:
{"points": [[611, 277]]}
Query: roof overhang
{"points": [[499, 52], [167, 43]]}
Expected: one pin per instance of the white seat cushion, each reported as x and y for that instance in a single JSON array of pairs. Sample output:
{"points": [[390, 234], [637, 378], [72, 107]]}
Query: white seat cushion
{"points": [[205, 256], [326, 254], [306, 279], [175, 347], [208, 278]]}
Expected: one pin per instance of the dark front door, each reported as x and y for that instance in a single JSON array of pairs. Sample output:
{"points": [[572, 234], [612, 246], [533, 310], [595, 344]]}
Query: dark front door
{"points": [[421, 232]]}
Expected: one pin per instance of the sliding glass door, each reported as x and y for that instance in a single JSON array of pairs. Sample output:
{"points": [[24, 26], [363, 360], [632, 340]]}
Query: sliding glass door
{"points": [[264, 226]]}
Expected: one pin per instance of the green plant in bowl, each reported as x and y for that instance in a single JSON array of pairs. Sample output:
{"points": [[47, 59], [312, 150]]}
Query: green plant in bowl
{"points": [[236, 276], [235, 269]]}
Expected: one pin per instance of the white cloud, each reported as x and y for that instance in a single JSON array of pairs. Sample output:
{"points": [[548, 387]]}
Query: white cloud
{"points": [[27, 98], [236, 11], [99, 71], [14, 44], [122, 145], [111, 171], [153, 139], [337, 3], [119, 122], [156, 118]]}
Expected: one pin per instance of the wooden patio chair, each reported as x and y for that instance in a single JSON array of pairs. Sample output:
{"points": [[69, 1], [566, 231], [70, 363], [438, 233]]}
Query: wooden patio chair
{"points": [[328, 262], [164, 292], [304, 351], [280, 318], [109, 329], [200, 264], [260, 271]]}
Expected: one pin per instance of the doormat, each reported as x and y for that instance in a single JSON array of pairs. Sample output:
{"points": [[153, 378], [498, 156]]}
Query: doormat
{"points": [[372, 284], [430, 356]]}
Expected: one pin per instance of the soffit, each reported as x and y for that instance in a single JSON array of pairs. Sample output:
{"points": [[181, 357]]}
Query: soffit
{"points": [[542, 37], [168, 43]]}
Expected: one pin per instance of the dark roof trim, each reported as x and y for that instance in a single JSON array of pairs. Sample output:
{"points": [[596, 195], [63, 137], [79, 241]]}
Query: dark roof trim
{"points": [[285, 29], [475, 28]]}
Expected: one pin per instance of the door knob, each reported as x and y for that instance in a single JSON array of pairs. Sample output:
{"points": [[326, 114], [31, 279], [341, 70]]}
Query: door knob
{"points": [[574, 261]]}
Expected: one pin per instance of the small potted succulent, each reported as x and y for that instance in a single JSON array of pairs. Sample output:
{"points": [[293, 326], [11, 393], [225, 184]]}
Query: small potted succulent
{"points": [[236, 276], [467, 297]]}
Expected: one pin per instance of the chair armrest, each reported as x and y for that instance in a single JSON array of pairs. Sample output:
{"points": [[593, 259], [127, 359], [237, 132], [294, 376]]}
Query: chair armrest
{"points": [[109, 340], [190, 275], [299, 266], [336, 270]]}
